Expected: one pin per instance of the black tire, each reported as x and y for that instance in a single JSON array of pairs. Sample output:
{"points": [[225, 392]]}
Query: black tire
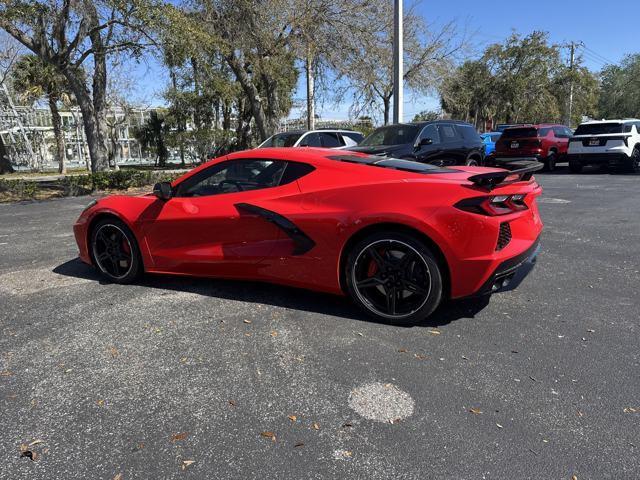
{"points": [[550, 162], [634, 161], [390, 286], [472, 162], [114, 251], [575, 167]]}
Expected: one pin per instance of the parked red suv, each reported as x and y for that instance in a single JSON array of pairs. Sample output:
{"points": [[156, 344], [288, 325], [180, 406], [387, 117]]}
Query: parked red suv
{"points": [[545, 142]]}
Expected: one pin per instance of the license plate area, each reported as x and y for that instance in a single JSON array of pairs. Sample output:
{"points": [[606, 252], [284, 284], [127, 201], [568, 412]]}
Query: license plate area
{"points": [[515, 144]]}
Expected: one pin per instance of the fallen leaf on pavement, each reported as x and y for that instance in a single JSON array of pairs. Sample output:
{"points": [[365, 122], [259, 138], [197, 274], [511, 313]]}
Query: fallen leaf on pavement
{"points": [[498, 425], [36, 442], [402, 350], [630, 410], [293, 418], [186, 463], [299, 444], [359, 334], [419, 357], [269, 435], [247, 321], [347, 424], [5, 373], [118, 477], [575, 477], [434, 332], [232, 403], [274, 333], [315, 426], [477, 411], [113, 351], [176, 437], [100, 403], [590, 330]]}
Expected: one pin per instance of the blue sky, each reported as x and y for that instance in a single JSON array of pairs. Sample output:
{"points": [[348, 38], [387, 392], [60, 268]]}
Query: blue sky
{"points": [[609, 31]]}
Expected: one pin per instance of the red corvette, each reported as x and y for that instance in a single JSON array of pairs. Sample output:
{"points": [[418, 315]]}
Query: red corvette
{"points": [[397, 236]]}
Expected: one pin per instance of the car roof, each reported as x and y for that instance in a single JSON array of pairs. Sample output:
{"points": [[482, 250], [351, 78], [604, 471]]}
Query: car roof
{"points": [[617, 120], [301, 132]]}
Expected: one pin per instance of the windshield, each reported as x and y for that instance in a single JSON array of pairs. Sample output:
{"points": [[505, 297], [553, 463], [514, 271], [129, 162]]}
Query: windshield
{"points": [[598, 128], [282, 140], [520, 132], [392, 135]]}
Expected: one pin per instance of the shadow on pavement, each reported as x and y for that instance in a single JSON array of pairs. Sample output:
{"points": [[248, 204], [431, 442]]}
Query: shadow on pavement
{"points": [[276, 295]]}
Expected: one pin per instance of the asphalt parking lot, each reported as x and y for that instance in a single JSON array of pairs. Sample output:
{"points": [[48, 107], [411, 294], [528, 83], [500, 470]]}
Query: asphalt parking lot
{"points": [[189, 378]]}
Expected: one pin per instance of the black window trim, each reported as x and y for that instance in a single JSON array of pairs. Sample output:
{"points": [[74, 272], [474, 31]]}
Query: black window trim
{"points": [[203, 174]]}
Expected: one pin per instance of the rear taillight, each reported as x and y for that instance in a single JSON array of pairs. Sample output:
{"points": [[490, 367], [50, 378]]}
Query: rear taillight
{"points": [[493, 206]]}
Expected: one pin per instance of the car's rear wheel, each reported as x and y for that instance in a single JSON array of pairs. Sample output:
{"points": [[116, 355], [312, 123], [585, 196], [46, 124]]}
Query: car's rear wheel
{"points": [[115, 251], [394, 277], [472, 162], [550, 162]]}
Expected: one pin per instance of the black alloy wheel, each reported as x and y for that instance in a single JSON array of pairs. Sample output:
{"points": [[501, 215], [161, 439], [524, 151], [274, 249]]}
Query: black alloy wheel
{"points": [[115, 251], [394, 277], [635, 161]]}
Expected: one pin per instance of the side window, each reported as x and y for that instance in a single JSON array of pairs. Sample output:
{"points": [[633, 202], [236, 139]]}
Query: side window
{"points": [[430, 131], [627, 127], [295, 170], [447, 133], [233, 176], [568, 132], [355, 136], [559, 132], [543, 132], [311, 140], [330, 140]]}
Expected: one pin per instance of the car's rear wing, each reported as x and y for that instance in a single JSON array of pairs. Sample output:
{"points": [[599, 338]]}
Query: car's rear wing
{"points": [[522, 172]]}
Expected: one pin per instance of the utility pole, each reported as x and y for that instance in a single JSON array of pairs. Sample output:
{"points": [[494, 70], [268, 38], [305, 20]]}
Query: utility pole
{"points": [[311, 121], [398, 96], [572, 47]]}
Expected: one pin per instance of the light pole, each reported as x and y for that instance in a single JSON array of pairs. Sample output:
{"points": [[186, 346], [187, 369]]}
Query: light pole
{"points": [[397, 62]]}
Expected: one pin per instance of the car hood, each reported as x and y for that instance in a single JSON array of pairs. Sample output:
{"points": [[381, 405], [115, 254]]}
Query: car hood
{"points": [[383, 150]]}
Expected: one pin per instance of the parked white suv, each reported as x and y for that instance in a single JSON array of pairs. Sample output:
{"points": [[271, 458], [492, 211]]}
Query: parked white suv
{"points": [[314, 138], [615, 143]]}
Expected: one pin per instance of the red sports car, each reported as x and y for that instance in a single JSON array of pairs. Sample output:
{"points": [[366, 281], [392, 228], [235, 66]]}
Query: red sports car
{"points": [[397, 236]]}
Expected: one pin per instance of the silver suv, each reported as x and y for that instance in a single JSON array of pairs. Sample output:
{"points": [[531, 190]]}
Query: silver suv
{"points": [[324, 138]]}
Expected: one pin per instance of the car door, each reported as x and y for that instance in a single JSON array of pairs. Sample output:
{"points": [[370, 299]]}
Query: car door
{"points": [[200, 230], [453, 150], [428, 153], [562, 140]]}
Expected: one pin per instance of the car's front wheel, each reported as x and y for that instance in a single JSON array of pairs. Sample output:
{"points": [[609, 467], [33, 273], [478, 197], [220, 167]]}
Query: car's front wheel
{"points": [[115, 252], [394, 277]]}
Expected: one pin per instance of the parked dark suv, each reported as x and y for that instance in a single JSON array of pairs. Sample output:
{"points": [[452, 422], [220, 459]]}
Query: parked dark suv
{"points": [[441, 142]]}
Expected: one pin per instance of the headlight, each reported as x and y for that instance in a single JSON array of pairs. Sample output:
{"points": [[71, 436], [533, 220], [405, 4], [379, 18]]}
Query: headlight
{"points": [[93, 202]]}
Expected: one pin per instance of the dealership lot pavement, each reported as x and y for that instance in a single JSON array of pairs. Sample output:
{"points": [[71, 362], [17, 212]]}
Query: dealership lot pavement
{"points": [[188, 378]]}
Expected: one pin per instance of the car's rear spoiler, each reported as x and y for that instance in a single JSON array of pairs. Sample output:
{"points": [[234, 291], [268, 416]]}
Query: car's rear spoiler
{"points": [[523, 171]]}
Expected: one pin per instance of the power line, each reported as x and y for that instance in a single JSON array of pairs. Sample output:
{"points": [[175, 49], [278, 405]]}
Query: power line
{"points": [[597, 55]]}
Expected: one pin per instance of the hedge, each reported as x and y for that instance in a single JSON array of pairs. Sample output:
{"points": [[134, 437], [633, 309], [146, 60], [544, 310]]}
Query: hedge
{"points": [[74, 185]]}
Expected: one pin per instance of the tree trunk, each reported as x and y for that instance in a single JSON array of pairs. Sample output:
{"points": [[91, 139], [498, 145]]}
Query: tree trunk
{"points": [[57, 133], [251, 91], [5, 163], [387, 107]]}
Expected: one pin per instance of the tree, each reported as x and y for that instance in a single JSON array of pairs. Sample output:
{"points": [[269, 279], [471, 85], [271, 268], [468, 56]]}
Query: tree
{"points": [[9, 54], [520, 80], [620, 91], [426, 116], [367, 64], [152, 136], [33, 79], [67, 33]]}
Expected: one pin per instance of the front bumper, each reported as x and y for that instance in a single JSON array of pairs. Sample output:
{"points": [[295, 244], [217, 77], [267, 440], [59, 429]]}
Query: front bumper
{"points": [[510, 273]]}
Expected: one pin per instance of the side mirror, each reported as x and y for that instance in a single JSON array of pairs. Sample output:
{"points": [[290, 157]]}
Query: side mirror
{"points": [[163, 190], [424, 142]]}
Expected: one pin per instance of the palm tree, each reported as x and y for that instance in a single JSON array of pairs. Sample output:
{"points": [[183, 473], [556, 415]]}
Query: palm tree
{"points": [[152, 135], [34, 79]]}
